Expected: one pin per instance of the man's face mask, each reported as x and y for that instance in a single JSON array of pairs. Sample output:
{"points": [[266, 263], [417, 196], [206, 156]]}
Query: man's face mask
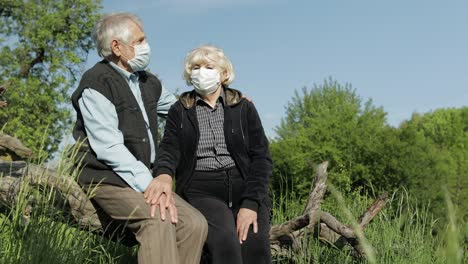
{"points": [[142, 57]]}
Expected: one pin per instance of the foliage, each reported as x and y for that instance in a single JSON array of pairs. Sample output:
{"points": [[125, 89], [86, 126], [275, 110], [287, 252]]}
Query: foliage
{"points": [[330, 122], [435, 155], [43, 45]]}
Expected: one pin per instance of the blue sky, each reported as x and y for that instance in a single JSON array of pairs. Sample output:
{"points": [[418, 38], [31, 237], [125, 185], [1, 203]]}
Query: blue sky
{"points": [[408, 56]]}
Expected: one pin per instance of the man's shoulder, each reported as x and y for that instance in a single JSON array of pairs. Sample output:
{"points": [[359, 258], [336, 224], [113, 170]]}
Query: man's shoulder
{"points": [[148, 76], [98, 75], [97, 78], [97, 69]]}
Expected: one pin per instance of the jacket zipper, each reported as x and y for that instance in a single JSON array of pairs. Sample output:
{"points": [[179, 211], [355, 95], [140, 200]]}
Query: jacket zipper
{"points": [[229, 183]]}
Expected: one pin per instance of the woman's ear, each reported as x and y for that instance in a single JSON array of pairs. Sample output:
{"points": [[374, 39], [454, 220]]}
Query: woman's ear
{"points": [[224, 76]]}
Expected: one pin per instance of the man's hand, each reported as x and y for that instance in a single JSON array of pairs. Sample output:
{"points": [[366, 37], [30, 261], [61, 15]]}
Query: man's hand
{"points": [[245, 218], [159, 193]]}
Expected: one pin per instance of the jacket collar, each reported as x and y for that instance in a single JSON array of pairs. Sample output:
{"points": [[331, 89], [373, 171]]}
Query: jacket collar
{"points": [[231, 97]]}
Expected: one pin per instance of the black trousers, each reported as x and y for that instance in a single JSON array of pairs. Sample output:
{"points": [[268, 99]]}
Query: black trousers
{"points": [[211, 192]]}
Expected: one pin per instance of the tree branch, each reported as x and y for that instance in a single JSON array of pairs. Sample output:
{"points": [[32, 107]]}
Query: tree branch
{"points": [[26, 68]]}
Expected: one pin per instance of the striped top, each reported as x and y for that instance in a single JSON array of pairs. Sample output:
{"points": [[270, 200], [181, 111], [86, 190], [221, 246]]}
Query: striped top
{"points": [[212, 152]]}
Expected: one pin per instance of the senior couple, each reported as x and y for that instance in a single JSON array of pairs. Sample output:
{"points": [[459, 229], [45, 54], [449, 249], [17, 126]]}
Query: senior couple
{"points": [[214, 150]]}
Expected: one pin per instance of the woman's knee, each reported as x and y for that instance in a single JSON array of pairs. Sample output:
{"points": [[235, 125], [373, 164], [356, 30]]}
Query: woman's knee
{"points": [[256, 249], [223, 242]]}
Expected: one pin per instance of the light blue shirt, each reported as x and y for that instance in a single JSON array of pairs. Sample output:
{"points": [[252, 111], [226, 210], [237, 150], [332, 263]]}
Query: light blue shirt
{"points": [[102, 127]]}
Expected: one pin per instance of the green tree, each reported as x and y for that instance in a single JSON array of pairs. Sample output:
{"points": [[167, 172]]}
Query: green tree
{"points": [[43, 47], [330, 122], [435, 155]]}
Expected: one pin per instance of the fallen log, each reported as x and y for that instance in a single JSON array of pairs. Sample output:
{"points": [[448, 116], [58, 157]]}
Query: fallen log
{"points": [[84, 214], [11, 149]]}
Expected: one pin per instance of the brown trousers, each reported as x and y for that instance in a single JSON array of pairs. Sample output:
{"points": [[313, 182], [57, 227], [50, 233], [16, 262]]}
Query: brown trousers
{"points": [[160, 241]]}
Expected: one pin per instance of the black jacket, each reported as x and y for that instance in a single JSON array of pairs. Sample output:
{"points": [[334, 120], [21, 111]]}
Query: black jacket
{"points": [[245, 140]]}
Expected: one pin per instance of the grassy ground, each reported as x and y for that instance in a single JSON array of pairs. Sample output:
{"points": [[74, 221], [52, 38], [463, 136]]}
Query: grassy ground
{"points": [[401, 233]]}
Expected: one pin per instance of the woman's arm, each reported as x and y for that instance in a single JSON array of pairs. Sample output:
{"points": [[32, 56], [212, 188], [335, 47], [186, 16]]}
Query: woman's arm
{"points": [[168, 153], [159, 191], [261, 165], [258, 176]]}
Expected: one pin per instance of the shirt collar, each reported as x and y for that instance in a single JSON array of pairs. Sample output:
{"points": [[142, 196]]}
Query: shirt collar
{"points": [[127, 75], [220, 98]]}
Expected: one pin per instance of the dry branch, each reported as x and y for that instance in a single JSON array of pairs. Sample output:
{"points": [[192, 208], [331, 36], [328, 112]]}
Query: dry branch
{"points": [[283, 235], [12, 149]]}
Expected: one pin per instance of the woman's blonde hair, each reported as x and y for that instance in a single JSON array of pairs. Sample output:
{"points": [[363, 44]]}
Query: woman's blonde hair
{"points": [[212, 55]]}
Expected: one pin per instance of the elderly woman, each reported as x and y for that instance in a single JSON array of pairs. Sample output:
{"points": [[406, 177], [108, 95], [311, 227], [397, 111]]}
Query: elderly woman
{"points": [[215, 147]]}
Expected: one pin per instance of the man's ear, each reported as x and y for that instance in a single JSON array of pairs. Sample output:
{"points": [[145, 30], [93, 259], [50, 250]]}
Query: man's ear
{"points": [[116, 48]]}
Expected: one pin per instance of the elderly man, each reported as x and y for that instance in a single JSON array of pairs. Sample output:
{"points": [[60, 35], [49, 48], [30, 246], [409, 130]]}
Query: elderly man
{"points": [[117, 103]]}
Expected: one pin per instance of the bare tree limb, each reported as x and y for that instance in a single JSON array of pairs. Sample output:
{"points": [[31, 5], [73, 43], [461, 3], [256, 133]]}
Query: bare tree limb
{"points": [[312, 208], [26, 68], [12, 147]]}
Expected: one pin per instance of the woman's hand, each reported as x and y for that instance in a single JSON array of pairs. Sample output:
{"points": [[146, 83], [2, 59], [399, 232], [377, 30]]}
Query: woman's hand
{"points": [[172, 209], [159, 192], [245, 218]]}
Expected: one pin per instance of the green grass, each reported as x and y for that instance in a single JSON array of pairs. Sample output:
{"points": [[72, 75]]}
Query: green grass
{"points": [[401, 233], [48, 236]]}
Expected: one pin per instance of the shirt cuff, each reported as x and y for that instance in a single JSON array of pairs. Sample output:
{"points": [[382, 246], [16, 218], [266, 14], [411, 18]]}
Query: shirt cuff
{"points": [[141, 183], [250, 204], [163, 170]]}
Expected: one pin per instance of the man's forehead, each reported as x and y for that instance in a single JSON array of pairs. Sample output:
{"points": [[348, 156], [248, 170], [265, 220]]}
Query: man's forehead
{"points": [[135, 27]]}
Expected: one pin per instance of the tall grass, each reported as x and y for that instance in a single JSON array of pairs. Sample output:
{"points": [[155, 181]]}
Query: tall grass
{"points": [[401, 233], [48, 235]]}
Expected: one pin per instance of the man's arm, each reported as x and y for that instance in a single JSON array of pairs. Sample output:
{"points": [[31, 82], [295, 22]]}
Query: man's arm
{"points": [[166, 100], [106, 140]]}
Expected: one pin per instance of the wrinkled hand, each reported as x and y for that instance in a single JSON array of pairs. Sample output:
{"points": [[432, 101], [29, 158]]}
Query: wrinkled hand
{"points": [[159, 193], [245, 218], [172, 209]]}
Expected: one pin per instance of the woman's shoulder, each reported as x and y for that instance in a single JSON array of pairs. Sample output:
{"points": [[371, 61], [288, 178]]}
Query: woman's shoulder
{"points": [[233, 96], [187, 99]]}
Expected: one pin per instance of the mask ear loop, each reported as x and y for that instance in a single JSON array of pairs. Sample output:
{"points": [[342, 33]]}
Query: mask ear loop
{"points": [[121, 53]]}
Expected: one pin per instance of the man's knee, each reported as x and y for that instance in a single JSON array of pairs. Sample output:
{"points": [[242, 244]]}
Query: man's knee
{"points": [[197, 225], [154, 227]]}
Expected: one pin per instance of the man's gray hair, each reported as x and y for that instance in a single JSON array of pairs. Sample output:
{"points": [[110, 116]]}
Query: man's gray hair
{"points": [[113, 26]]}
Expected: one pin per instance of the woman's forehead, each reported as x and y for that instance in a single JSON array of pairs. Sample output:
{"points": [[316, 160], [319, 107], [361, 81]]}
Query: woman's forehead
{"points": [[205, 58], [204, 61]]}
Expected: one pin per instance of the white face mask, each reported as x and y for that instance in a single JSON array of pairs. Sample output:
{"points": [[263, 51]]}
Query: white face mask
{"points": [[142, 57], [205, 81]]}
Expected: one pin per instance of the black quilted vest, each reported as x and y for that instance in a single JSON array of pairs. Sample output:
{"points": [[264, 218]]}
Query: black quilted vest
{"points": [[110, 83]]}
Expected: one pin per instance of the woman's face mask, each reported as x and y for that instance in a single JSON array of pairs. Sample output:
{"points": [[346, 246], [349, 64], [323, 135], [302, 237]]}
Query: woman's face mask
{"points": [[205, 80]]}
